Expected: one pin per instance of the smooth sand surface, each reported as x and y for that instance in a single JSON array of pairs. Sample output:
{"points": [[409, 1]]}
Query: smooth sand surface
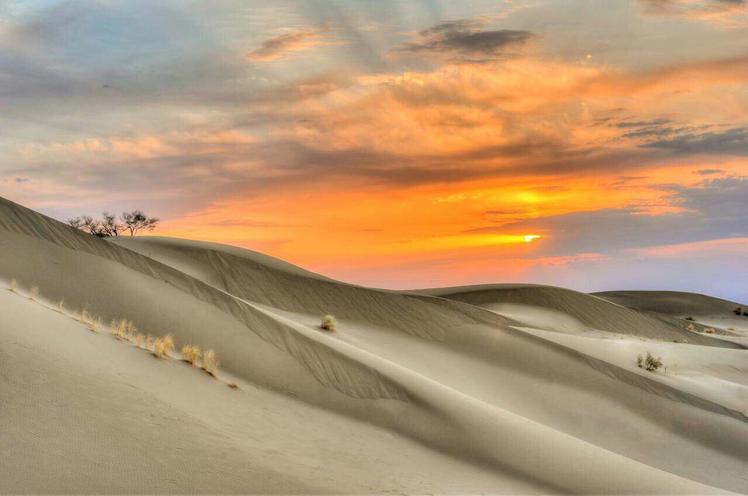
{"points": [[529, 390]]}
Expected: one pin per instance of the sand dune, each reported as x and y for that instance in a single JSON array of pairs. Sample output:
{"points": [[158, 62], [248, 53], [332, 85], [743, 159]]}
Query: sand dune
{"points": [[502, 389]]}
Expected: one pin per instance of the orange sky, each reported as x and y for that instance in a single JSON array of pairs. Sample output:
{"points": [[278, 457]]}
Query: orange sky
{"points": [[473, 142]]}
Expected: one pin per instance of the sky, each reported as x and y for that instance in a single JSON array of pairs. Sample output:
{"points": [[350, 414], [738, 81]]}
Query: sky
{"points": [[590, 144]]}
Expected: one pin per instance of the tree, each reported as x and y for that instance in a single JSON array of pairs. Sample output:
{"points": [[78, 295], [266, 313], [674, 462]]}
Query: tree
{"points": [[88, 224], [108, 226], [137, 220]]}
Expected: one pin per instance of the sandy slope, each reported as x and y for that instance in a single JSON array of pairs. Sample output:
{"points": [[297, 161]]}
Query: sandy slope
{"points": [[706, 310], [414, 393]]}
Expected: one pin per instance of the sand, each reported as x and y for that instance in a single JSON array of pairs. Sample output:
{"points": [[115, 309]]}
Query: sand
{"points": [[531, 390]]}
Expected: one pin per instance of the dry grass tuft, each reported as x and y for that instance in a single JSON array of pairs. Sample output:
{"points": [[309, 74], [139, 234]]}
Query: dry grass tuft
{"points": [[149, 342], [709, 330], [60, 306], [329, 323], [120, 328], [191, 354], [163, 346], [649, 363], [158, 348], [233, 385], [34, 293], [93, 323], [168, 344], [140, 340], [13, 285], [210, 362]]}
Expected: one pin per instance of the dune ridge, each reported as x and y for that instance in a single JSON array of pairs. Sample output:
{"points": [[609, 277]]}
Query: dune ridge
{"points": [[515, 407]]}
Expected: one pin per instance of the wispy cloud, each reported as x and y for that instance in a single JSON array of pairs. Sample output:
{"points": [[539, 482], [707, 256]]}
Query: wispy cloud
{"points": [[285, 45], [724, 13]]}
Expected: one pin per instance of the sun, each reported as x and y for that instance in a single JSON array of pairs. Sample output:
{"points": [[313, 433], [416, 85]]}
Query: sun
{"points": [[529, 238]]}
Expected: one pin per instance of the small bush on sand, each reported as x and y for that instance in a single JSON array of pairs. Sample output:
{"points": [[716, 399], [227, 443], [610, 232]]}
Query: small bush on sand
{"points": [[139, 340], [60, 306], [120, 328], [14, 285], [709, 330], [34, 293], [210, 362], [737, 311], [690, 318], [168, 344], [191, 354], [149, 342], [158, 348], [329, 323], [163, 346], [90, 321], [649, 363]]}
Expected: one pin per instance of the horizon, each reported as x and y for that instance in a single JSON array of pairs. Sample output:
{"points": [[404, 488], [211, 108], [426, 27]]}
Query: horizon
{"points": [[400, 144]]}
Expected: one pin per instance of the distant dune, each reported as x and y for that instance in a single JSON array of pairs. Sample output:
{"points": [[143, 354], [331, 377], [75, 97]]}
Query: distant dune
{"points": [[486, 389]]}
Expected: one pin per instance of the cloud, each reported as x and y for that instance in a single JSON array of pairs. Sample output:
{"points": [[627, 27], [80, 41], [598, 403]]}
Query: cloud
{"points": [[724, 13], [282, 46], [466, 40], [729, 142], [715, 209]]}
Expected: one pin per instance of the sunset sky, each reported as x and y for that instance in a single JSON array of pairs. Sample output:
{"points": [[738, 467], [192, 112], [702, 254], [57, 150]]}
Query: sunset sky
{"points": [[591, 144]]}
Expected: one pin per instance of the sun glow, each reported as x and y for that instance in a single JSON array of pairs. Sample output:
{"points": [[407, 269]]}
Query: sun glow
{"points": [[529, 238]]}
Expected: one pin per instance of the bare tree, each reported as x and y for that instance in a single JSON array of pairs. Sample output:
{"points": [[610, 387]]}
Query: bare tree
{"points": [[108, 226], [88, 224], [136, 220]]}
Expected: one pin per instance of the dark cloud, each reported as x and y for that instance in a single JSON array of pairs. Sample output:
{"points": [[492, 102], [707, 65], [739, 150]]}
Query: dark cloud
{"points": [[729, 142], [640, 124], [464, 38], [708, 172]]}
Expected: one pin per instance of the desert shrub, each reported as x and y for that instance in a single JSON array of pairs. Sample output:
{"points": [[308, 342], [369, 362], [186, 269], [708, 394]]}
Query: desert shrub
{"points": [[191, 354], [690, 318], [709, 330], [14, 285], [120, 328], [168, 344], [210, 362], [163, 346], [34, 293], [149, 342], [738, 311], [158, 348], [91, 321], [139, 340], [329, 323], [691, 327], [60, 306], [649, 363]]}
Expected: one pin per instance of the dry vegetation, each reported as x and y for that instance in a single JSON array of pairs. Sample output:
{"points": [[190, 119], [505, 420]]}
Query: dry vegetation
{"points": [[162, 347], [125, 330], [191, 354], [329, 323], [210, 362], [649, 363]]}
